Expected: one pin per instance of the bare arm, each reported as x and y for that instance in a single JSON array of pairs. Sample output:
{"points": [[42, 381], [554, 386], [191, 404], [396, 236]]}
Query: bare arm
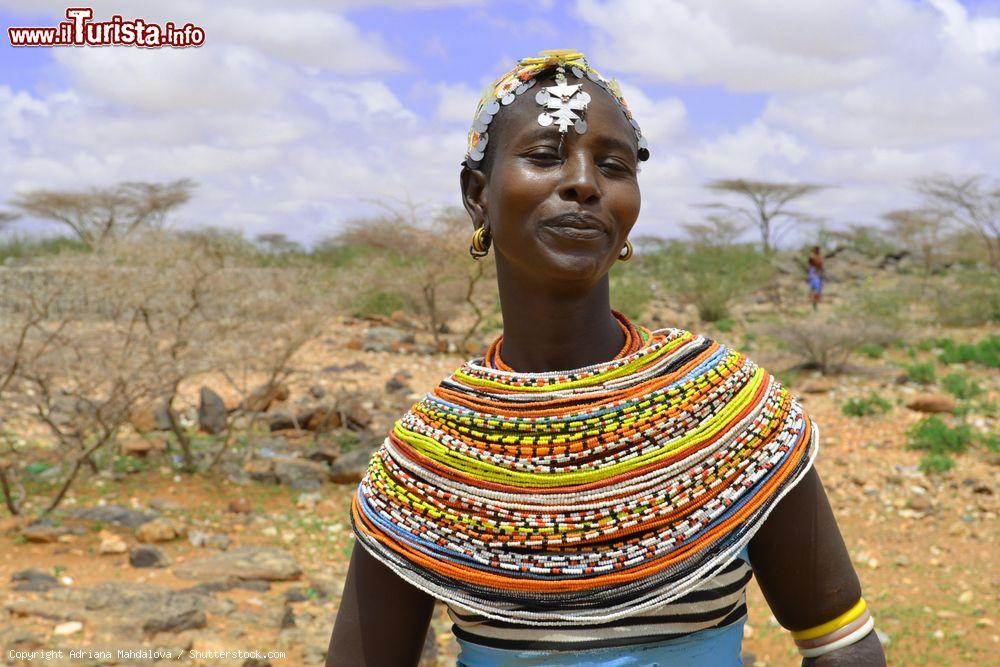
{"points": [[805, 572], [382, 619]]}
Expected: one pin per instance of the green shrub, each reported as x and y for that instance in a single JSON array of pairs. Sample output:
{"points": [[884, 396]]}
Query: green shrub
{"points": [[928, 344], [630, 292], [971, 299], [869, 405], [872, 351], [710, 275], [888, 305], [933, 435], [938, 463], [23, 247], [961, 386], [921, 373], [725, 325], [377, 302], [986, 352]]}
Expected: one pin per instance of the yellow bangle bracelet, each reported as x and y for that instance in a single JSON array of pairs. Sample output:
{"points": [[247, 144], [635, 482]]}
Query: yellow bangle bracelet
{"points": [[839, 622]]}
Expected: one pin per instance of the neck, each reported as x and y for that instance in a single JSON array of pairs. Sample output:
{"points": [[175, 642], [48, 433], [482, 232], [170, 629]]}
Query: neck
{"points": [[546, 329]]}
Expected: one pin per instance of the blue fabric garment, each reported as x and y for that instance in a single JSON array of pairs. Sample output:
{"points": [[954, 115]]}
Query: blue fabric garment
{"points": [[815, 280], [716, 647]]}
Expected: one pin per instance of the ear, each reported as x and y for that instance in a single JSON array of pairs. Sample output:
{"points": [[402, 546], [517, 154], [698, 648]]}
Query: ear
{"points": [[473, 184]]}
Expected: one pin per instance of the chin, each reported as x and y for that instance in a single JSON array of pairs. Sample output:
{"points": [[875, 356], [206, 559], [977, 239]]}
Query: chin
{"points": [[585, 265]]}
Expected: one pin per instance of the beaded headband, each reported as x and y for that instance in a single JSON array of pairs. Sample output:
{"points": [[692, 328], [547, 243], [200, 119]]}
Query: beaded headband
{"points": [[562, 104]]}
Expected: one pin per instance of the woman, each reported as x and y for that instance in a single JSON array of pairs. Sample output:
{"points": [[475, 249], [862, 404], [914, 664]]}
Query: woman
{"points": [[608, 514], [815, 276]]}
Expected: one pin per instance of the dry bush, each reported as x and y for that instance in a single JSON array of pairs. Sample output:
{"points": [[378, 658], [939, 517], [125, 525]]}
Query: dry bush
{"points": [[86, 337], [422, 264], [825, 343]]}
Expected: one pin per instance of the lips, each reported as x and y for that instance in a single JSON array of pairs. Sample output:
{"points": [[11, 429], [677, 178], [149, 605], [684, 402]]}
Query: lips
{"points": [[576, 225]]}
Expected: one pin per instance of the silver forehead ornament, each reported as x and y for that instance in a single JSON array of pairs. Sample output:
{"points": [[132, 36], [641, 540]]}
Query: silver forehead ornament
{"points": [[562, 102]]}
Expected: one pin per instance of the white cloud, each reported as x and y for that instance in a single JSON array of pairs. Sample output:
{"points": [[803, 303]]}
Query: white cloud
{"points": [[289, 120], [749, 46]]}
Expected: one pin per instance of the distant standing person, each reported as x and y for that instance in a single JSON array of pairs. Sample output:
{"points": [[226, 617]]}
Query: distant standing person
{"points": [[816, 276]]}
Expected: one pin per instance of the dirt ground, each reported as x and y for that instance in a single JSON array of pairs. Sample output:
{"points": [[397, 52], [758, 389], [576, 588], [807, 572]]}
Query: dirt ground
{"points": [[925, 546]]}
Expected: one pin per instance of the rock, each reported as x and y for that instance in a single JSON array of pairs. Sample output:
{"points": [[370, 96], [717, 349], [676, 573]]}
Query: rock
{"points": [[142, 446], [300, 474], [116, 514], [211, 412], [352, 466], [146, 555], [148, 609], [354, 366], [68, 628], [258, 585], [213, 540], [324, 419], [386, 339], [932, 403], [265, 396], [282, 421], [396, 383], [149, 417], [163, 505], [43, 533], [308, 500], [920, 504], [111, 543], [324, 454], [14, 638], [160, 530], [261, 470], [239, 506], [33, 586], [354, 414], [327, 587], [817, 386], [295, 594], [33, 580], [267, 563], [54, 610]]}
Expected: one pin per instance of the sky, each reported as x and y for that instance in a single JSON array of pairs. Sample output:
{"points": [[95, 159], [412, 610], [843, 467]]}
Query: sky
{"points": [[295, 117]]}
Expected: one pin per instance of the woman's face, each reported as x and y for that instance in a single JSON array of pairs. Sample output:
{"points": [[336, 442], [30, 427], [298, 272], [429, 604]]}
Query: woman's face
{"points": [[558, 213]]}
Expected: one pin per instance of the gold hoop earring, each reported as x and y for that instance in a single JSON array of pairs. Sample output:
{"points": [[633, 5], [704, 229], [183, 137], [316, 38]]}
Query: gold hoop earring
{"points": [[480, 243], [626, 252]]}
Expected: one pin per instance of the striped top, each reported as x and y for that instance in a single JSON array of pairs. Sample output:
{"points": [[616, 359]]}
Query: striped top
{"points": [[577, 507], [719, 602]]}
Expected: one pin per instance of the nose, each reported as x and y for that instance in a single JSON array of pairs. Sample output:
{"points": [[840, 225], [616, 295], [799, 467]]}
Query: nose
{"points": [[579, 182]]}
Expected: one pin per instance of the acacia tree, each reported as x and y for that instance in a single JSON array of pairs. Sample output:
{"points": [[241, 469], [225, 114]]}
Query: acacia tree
{"points": [[920, 231], [971, 202], [767, 209], [97, 214]]}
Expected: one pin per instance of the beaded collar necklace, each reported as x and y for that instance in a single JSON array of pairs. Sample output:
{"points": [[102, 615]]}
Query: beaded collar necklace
{"points": [[587, 495]]}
